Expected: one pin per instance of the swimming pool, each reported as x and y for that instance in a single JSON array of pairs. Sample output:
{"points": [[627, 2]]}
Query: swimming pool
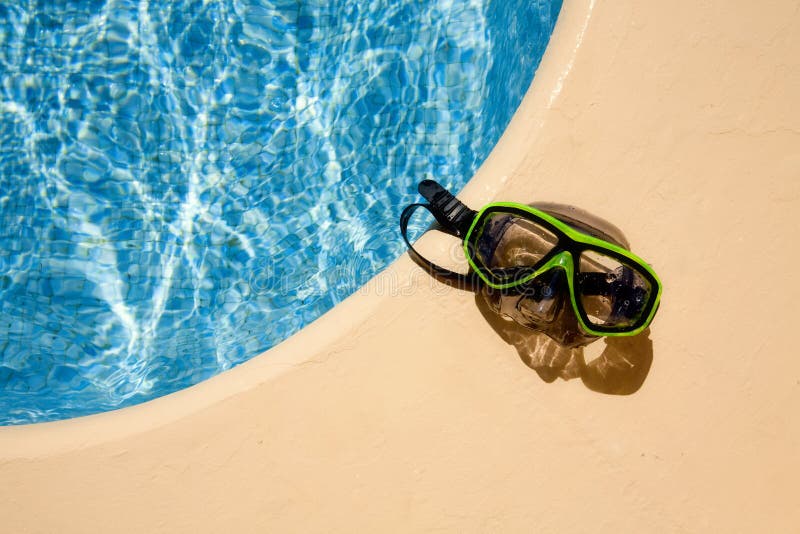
{"points": [[185, 184]]}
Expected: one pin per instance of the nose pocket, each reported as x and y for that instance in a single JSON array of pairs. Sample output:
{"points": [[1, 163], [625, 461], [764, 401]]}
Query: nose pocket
{"points": [[542, 297]]}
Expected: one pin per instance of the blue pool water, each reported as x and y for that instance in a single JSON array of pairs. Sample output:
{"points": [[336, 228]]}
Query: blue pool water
{"points": [[184, 184]]}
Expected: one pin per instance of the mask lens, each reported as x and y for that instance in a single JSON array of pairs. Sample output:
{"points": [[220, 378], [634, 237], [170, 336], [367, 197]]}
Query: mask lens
{"points": [[613, 293], [508, 245]]}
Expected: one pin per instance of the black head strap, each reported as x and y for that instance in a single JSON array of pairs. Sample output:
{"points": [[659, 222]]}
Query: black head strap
{"points": [[453, 217], [450, 212]]}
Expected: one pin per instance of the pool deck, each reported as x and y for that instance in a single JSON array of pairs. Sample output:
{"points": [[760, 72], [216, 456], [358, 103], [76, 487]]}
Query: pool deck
{"points": [[403, 409]]}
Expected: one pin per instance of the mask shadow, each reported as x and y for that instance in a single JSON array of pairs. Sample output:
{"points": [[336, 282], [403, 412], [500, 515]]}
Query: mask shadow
{"points": [[620, 369]]}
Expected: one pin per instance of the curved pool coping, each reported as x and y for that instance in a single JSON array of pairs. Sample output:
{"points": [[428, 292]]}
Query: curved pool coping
{"points": [[374, 413], [314, 338]]}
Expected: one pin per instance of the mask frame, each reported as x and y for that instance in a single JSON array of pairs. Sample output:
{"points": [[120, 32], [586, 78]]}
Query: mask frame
{"points": [[458, 220]]}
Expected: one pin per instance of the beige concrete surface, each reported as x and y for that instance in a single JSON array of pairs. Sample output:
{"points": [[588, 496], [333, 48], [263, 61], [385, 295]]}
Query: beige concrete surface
{"points": [[405, 410]]}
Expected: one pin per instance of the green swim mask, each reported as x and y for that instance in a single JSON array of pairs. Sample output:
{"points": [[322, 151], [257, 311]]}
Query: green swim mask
{"points": [[517, 249]]}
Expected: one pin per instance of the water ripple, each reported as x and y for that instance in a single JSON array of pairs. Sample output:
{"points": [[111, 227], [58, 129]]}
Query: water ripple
{"points": [[183, 184]]}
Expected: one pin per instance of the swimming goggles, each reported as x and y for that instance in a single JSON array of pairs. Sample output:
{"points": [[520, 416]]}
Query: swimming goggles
{"points": [[510, 246]]}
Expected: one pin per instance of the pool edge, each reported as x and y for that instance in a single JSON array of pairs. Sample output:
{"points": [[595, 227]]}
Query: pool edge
{"points": [[306, 344]]}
